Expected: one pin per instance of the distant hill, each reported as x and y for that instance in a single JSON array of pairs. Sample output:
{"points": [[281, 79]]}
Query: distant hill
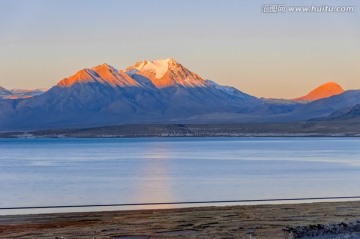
{"points": [[19, 93], [323, 91], [321, 108]]}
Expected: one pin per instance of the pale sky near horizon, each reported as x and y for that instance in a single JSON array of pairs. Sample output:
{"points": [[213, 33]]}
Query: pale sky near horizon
{"points": [[282, 55]]}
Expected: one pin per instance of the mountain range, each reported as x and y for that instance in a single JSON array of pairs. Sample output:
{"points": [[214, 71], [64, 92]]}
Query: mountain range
{"points": [[19, 93], [161, 91]]}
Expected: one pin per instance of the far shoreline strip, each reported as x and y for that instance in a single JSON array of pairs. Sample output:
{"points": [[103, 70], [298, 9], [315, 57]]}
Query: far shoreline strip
{"points": [[178, 203]]}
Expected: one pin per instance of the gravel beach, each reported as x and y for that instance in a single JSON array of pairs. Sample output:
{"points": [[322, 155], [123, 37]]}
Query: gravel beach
{"points": [[201, 222]]}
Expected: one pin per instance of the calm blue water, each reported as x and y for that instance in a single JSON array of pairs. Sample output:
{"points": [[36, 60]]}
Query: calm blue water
{"points": [[38, 172]]}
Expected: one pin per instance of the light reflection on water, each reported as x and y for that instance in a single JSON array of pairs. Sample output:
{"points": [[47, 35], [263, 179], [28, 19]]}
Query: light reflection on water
{"points": [[156, 186], [38, 172]]}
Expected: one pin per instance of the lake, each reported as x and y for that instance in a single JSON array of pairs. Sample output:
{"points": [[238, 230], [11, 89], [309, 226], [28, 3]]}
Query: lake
{"points": [[43, 172]]}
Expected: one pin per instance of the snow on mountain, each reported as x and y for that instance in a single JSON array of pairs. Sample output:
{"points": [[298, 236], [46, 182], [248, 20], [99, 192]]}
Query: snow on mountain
{"points": [[227, 89], [166, 73], [323, 91], [159, 67]]}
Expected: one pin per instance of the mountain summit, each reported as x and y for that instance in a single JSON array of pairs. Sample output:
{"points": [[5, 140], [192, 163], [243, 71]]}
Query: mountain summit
{"points": [[324, 91], [166, 73], [103, 74]]}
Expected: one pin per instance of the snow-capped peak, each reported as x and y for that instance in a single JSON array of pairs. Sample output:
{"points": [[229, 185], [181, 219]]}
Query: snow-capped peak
{"points": [[158, 67], [166, 73]]}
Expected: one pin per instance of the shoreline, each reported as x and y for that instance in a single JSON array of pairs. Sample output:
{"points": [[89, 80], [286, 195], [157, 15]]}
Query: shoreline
{"points": [[184, 136], [192, 222], [299, 129]]}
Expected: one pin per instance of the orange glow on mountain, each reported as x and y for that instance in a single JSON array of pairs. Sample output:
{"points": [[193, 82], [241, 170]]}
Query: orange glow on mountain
{"points": [[103, 74], [82, 76], [114, 77], [323, 91]]}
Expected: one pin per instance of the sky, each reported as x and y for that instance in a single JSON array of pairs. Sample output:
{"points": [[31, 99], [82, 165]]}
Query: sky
{"points": [[232, 42]]}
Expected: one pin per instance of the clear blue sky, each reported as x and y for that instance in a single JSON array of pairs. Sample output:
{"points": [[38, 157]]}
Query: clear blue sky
{"points": [[229, 41]]}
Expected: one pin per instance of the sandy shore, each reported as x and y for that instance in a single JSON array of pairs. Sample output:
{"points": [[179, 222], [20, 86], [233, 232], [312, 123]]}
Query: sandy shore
{"points": [[202, 222]]}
